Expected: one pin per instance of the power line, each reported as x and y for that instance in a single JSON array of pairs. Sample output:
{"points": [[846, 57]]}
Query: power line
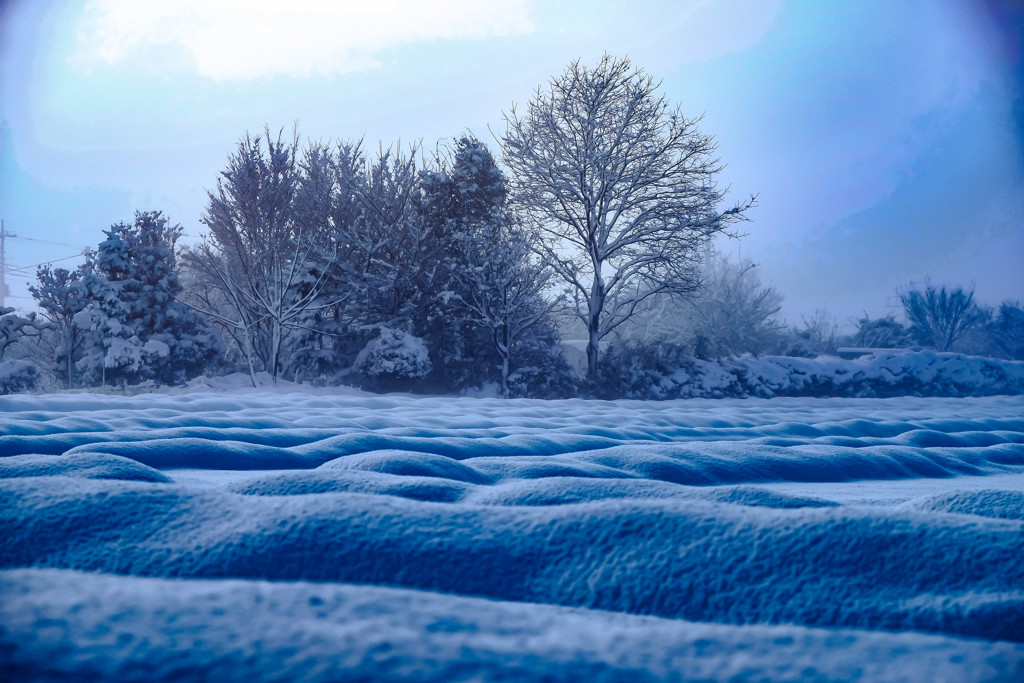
{"points": [[59, 244], [45, 263], [4, 289]]}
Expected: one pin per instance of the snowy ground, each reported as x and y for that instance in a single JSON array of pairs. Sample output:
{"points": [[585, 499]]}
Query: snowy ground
{"points": [[314, 536]]}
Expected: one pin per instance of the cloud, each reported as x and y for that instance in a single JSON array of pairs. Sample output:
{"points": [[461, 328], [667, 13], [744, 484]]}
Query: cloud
{"points": [[241, 40]]}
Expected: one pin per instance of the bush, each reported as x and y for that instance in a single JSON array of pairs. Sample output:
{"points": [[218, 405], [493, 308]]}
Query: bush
{"points": [[881, 333], [940, 317], [640, 370], [17, 376], [541, 370], [393, 358]]}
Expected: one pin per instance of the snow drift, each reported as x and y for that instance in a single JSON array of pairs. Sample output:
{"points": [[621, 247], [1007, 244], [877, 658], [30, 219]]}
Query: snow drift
{"points": [[391, 538]]}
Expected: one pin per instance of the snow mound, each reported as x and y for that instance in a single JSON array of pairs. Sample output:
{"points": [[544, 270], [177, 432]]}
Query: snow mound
{"points": [[426, 488], [829, 566], [548, 490], [481, 539], [87, 465], [985, 503], [204, 453], [408, 463]]}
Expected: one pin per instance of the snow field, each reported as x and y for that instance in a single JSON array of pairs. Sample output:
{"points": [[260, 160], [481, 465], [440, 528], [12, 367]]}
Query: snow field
{"points": [[424, 538]]}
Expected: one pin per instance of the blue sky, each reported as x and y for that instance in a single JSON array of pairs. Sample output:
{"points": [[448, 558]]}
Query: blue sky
{"points": [[885, 140]]}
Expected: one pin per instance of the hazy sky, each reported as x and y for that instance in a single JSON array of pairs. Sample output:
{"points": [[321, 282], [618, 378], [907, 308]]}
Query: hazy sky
{"points": [[885, 140]]}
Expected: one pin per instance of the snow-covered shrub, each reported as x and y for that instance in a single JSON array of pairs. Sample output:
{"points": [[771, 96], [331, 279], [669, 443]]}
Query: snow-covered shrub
{"points": [[818, 336], [940, 317], [880, 333], [393, 356], [541, 370], [16, 376], [900, 373], [664, 372], [640, 370]]}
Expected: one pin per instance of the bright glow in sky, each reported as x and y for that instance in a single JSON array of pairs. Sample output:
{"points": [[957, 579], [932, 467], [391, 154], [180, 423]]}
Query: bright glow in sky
{"points": [[885, 140], [243, 40]]}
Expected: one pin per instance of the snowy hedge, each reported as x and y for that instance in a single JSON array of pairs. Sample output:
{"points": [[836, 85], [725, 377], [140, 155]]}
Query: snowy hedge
{"points": [[900, 373]]}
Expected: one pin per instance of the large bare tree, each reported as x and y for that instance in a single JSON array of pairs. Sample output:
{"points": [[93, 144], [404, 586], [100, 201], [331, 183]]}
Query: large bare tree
{"points": [[621, 186]]}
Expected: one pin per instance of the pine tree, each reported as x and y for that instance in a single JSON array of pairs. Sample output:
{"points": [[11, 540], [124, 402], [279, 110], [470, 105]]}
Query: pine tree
{"points": [[172, 343]]}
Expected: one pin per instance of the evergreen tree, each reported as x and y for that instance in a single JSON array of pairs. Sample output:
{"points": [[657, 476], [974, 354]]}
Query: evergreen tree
{"points": [[492, 289], [60, 296], [161, 338]]}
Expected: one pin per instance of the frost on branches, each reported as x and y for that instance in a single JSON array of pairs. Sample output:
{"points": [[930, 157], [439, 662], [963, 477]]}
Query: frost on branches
{"points": [[622, 187]]}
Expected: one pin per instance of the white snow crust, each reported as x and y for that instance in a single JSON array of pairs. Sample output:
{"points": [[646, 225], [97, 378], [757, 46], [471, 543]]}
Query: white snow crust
{"points": [[317, 536]]}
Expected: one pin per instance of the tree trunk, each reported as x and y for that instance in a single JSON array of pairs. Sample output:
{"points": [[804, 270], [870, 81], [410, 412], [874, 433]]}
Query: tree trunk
{"points": [[275, 348], [248, 359], [595, 306], [71, 347], [592, 356]]}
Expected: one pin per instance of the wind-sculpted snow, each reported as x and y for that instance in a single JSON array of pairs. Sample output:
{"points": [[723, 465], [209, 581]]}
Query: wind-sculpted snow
{"points": [[602, 555], [985, 503], [235, 630], [694, 442], [438, 538]]}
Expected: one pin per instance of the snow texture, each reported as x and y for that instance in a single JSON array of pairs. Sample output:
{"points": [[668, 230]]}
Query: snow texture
{"points": [[310, 536]]}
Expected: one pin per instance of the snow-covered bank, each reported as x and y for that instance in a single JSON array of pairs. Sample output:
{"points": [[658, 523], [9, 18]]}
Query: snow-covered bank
{"points": [[431, 538], [881, 374]]}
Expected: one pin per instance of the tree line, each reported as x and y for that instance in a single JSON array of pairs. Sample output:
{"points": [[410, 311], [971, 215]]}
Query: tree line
{"points": [[396, 269]]}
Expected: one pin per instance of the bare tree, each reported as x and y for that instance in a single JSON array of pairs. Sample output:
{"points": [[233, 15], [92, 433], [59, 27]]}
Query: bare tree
{"points": [[940, 317], [260, 258], [622, 187], [734, 312]]}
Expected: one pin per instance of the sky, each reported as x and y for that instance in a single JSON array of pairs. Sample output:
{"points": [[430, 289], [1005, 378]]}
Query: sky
{"points": [[884, 140]]}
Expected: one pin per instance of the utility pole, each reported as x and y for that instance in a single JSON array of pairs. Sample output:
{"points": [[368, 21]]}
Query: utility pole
{"points": [[5, 291]]}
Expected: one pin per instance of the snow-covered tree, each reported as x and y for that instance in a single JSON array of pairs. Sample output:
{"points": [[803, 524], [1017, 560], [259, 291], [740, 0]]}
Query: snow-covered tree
{"points": [[257, 256], [622, 186], [111, 352], [732, 313], [60, 296], [171, 342], [1007, 331], [14, 327], [327, 200], [16, 375], [390, 252], [495, 280]]}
